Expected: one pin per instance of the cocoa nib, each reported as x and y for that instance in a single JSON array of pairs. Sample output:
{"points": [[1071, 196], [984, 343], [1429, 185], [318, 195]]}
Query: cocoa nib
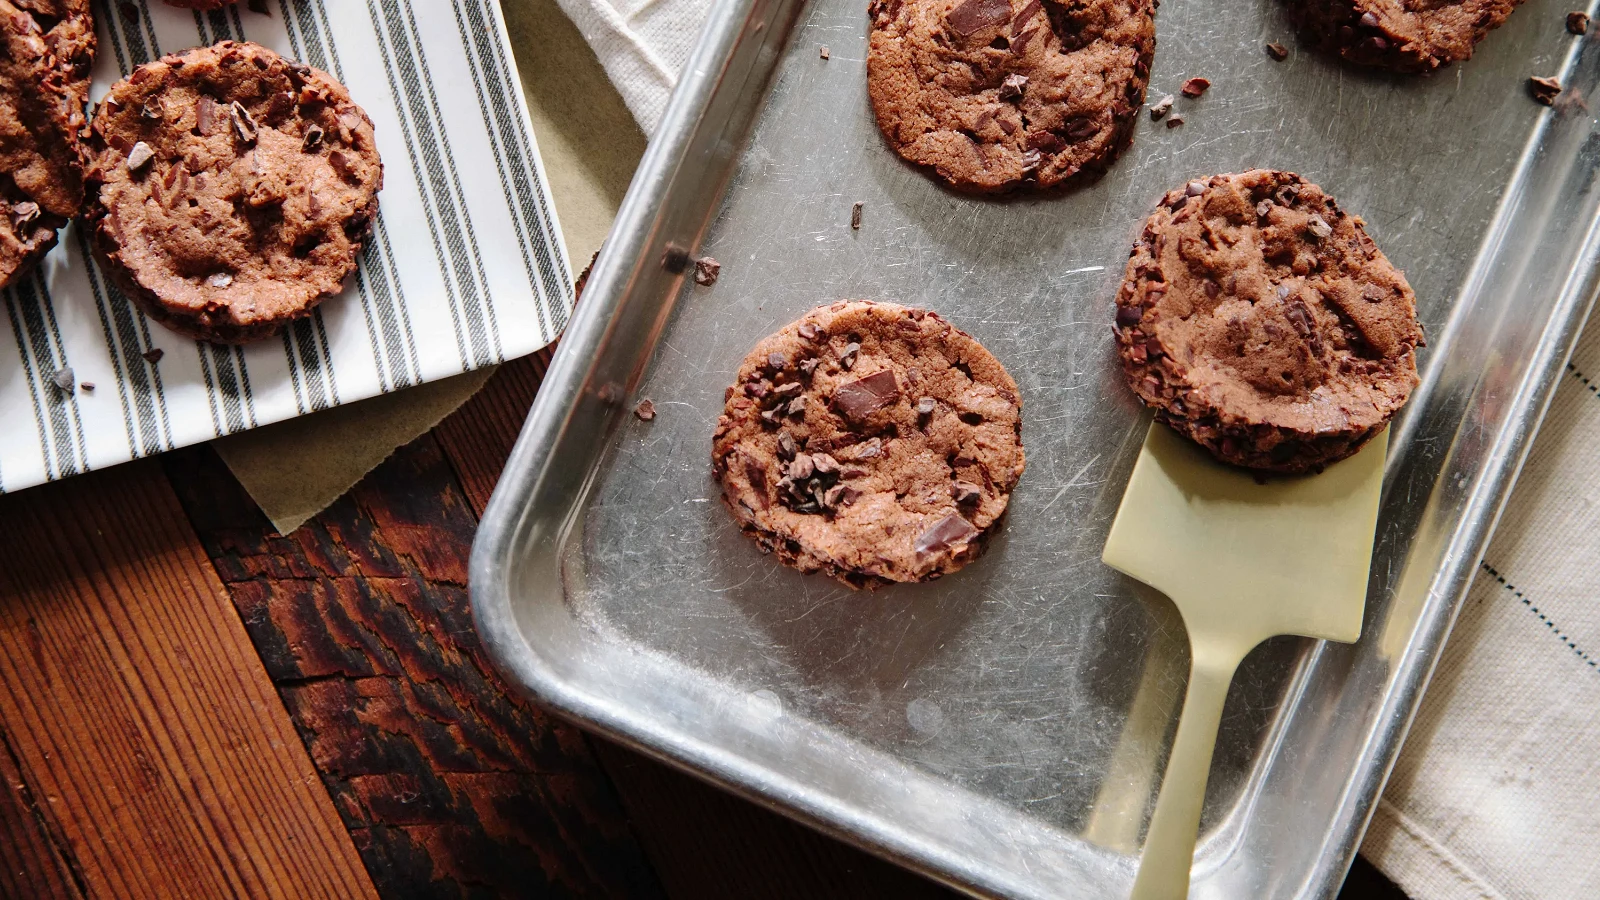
{"points": [[646, 410], [810, 484], [1013, 86], [1544, 90], [847, 356], [858, 399], [1194, 87], [24, 214], [243, 123], [706, 271], [966, 493]]}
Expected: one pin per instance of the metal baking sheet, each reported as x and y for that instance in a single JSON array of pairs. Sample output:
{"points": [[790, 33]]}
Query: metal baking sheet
{"points": [[1003, 729]]}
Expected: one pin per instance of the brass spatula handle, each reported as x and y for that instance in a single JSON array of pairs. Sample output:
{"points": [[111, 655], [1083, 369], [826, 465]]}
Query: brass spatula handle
{"points": [[1169, 845]]}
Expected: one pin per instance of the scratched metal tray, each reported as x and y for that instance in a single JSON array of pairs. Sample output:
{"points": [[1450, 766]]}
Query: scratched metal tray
{"points": [[1003, 729]]}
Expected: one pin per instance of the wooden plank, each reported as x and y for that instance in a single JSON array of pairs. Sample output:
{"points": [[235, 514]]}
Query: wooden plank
{"points": [[450, 786], [31, 863], [708, 844], [479, 435], [141, 719]]}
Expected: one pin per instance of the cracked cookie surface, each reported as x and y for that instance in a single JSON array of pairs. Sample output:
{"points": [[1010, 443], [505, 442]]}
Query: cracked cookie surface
{"points": [[995, 95], [871, 441], [231, 190], [1259, 319]]}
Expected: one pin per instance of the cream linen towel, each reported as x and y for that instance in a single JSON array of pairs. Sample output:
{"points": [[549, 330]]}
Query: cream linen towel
{"points": [[1497, 791]]}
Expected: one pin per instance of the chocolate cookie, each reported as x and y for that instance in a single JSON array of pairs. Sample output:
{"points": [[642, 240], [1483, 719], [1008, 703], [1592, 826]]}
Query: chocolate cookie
{"points": [[69, 36], [43, 87], [230, 189], [1406, 37], [999, 94], [1259, 319], [871, 441]]}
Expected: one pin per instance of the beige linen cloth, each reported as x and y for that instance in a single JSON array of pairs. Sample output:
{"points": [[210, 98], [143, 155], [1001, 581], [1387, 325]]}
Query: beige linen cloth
{"points": [[1497, 791]]}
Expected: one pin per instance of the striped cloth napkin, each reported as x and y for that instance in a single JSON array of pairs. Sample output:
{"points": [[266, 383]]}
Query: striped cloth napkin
{"points": [[1496, 791]]}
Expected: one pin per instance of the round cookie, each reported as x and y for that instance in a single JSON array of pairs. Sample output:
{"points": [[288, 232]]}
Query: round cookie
{"points": [[994, 95], [43, 86], [1406, 37], [871, 441], [1257, 318], [230, 190]]}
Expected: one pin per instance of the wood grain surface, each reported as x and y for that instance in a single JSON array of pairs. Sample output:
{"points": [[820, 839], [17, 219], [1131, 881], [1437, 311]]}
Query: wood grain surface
{"points": [[450, 786], [30, 864], [139, 723]]}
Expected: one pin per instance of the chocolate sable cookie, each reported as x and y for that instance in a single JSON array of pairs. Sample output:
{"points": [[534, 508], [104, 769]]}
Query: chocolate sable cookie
{"points": [[230, 189], [871, 441], [44, 82], [999, 94], [1406, 37], [1259, 319]]}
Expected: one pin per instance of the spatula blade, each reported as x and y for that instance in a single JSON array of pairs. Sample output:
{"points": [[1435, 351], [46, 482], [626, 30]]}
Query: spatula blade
{"points": [[1289, 556]]}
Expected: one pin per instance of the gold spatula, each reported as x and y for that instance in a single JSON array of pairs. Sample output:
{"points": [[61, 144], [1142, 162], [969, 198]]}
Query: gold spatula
{"points": [[1243, 561]]}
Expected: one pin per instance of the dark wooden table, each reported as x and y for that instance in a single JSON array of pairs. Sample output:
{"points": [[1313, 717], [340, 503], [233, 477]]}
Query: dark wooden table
{"points": [[192, 705]]}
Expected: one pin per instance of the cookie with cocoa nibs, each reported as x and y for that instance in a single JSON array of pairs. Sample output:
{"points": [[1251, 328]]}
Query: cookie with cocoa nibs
{"points": [[1405, 37], [1257, 318], [997, 95], [230, 189], [873, 442]]}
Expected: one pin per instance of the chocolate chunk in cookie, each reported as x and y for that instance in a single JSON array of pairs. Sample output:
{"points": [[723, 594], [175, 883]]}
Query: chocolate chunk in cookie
{"points": [[46, 50], [230, 189], [1406, 37], [1258, 318], [871, 441], [994, 95]]}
